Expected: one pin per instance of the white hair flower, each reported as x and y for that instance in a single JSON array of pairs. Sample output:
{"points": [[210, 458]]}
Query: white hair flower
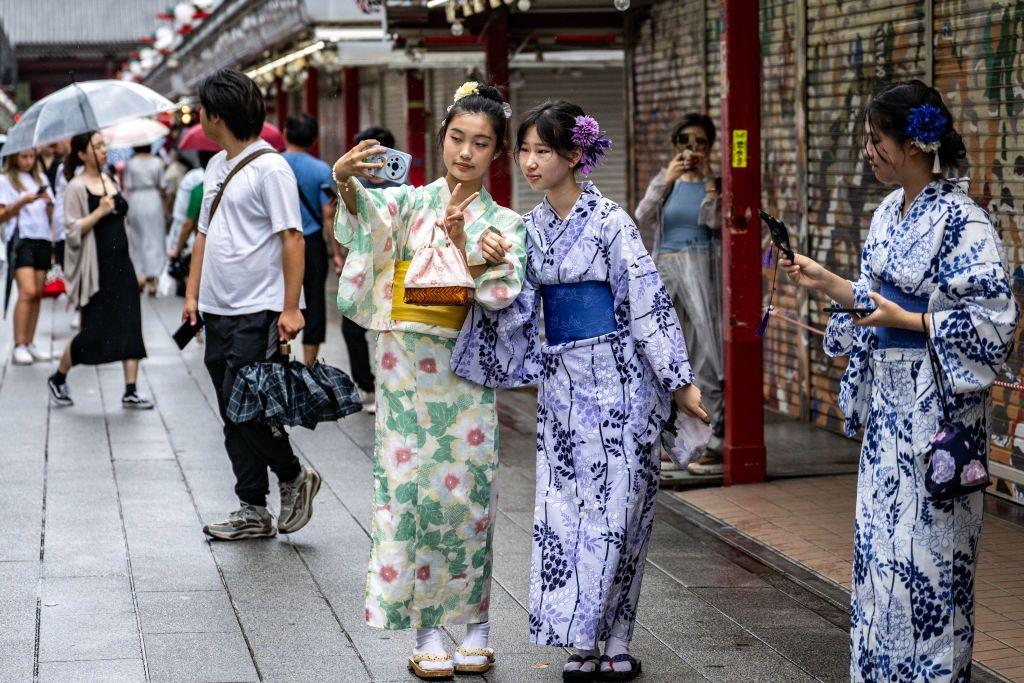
{"points": [[466, 89]]}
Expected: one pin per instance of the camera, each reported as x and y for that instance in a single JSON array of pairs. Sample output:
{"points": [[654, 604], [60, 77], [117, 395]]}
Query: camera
{"points": [[396, 165]]}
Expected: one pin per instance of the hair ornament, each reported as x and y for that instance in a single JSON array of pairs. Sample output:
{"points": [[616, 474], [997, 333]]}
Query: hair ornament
{"points": [[466, 89], [587, 134], [925, 126]]}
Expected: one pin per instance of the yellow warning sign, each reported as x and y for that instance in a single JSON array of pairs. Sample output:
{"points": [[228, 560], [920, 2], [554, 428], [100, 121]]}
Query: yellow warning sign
{"points": [[739, 149]]}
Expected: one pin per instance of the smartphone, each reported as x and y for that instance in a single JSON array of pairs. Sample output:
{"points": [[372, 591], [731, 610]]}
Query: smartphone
{"points": [[779, 233], [396, 165], [41, 191], [187, 332], [852, 311]]}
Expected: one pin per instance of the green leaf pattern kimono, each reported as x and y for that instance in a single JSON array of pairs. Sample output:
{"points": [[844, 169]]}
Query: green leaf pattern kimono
{"points": [[435, 445]]}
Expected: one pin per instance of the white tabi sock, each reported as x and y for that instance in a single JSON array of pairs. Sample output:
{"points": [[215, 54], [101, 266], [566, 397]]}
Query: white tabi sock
{"points": [[584, 666], [613, 647], [429, 642], [476, 639]]}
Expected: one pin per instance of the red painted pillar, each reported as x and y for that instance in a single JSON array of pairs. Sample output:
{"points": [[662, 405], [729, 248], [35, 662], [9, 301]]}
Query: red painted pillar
{"points": [[496, 55], [313, 100], [416, 126], [743, 451], [280, 102], [350, 96]]}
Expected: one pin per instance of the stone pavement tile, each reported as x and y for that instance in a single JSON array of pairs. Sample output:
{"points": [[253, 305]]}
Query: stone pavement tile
{"points": [[189, 573], [63, 596], [183, 657], [168, 542], [134, 471], [93, 671], [709, 571], [64, 637], [736, 656], [312, 667], [20, 543], [160, 514], [17, 655], [142, 450], [186, 612], [84, 559], [823, 652], [761, 607]]}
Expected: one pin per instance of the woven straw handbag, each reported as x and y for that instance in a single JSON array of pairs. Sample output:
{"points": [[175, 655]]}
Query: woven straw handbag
{"points": [[438, 275]]}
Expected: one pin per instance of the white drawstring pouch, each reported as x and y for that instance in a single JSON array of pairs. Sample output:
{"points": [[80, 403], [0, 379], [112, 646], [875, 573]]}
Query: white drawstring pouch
{"points": [[684, 437]]}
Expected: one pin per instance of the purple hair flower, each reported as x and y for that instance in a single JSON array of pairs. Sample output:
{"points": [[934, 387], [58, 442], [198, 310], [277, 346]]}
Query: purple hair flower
{"points": [[587, 134]]}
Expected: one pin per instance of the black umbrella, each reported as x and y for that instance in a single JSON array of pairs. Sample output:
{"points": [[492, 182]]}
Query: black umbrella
{"points": [[12, 245], [287, 392]]}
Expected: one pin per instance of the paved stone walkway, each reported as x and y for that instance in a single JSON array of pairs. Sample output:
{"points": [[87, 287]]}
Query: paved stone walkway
{"points": [[105, 574]]}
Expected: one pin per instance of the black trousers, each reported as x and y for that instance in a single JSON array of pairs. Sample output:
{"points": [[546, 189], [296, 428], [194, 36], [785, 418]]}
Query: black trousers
{"points": [[313, 283], [233, 341], [358, 354]]}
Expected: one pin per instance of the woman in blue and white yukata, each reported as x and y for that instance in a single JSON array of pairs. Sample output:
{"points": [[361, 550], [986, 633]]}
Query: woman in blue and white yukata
{"points": [[932, 265], [612, 362]]}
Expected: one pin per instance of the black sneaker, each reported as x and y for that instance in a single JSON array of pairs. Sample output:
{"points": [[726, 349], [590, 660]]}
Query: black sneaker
{"points": [[297, 500], [136, 401], [248, 521], [59, 393]]}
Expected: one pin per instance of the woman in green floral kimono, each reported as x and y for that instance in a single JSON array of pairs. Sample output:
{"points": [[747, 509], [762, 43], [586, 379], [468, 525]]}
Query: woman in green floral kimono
{"points": [[436, 434]]}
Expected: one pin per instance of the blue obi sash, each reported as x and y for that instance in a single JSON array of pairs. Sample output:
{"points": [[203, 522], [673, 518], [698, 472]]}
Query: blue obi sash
{"points": [[577, 310], [898, 338]]}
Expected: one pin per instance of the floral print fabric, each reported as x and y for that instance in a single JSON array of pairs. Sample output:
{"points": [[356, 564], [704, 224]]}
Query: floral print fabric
{"points": [[602, 403], [435, 436], [914, 557], [430, 557]]}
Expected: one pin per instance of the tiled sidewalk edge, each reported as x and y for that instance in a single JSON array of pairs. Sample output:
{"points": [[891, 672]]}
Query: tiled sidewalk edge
{"points": [[794, 571]]}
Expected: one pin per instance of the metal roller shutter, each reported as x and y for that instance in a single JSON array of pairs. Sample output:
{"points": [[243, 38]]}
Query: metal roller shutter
{"points": [[393, 109], [785, 345], [441, 84], [600, 92], [668, 81], [976, 63], [852, 48]]}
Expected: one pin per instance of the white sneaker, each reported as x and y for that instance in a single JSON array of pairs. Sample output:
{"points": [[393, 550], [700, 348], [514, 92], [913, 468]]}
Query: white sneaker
{"points": [[38, 355], [369, 401], [21, 355]]}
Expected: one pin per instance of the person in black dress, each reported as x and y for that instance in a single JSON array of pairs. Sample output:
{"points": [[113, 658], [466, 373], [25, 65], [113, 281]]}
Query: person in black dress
{"points": [[100, 273]]}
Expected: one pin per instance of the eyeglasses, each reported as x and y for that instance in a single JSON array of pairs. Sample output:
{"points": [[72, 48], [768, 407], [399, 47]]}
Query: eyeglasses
{"points": [[691, 140]]}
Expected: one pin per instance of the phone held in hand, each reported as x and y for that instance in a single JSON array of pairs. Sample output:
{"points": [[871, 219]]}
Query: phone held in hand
{"points": [[832, 310], [779, 233], [187, 331], [396, 165]]}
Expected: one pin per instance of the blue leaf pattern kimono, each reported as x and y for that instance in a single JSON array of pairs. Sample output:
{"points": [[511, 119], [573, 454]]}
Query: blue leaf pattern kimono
{"points": [[914, 557], [602, 404]]}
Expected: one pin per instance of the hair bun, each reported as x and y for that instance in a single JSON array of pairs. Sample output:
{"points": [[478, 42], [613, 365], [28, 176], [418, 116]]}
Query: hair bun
{"points": [[490, 92]]}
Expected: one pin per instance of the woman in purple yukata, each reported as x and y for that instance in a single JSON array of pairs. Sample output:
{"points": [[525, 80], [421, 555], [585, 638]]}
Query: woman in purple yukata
{"points": [[610, 364]]}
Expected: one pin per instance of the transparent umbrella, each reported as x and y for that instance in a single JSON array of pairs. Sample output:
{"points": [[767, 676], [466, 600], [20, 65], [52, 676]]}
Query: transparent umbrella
{"points": [[79, 108]]}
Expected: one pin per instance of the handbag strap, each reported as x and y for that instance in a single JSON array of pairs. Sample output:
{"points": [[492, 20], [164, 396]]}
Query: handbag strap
{"points": [[238, 167], [933, 357]]}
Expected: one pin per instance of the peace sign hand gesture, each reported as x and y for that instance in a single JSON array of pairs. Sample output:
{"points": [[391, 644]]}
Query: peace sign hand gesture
{"points": [[454, 217]]}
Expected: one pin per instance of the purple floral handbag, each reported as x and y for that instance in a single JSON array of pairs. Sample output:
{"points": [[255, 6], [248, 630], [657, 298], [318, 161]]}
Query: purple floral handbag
{"points": [[957, 465]]}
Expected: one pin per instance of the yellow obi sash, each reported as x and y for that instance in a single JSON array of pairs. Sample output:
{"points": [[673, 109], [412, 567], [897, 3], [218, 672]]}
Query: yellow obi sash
{"points": [[442, 316]]}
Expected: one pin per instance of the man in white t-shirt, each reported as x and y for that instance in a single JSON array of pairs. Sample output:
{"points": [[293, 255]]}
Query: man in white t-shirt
{"points": [[246, 280]]}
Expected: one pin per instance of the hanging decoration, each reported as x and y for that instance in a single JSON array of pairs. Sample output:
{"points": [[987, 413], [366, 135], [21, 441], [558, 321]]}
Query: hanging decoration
{"points": [[177, 21]]}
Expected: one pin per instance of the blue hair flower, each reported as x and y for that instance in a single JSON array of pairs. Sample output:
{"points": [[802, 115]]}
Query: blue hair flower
{"points": [[925, 125]]}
